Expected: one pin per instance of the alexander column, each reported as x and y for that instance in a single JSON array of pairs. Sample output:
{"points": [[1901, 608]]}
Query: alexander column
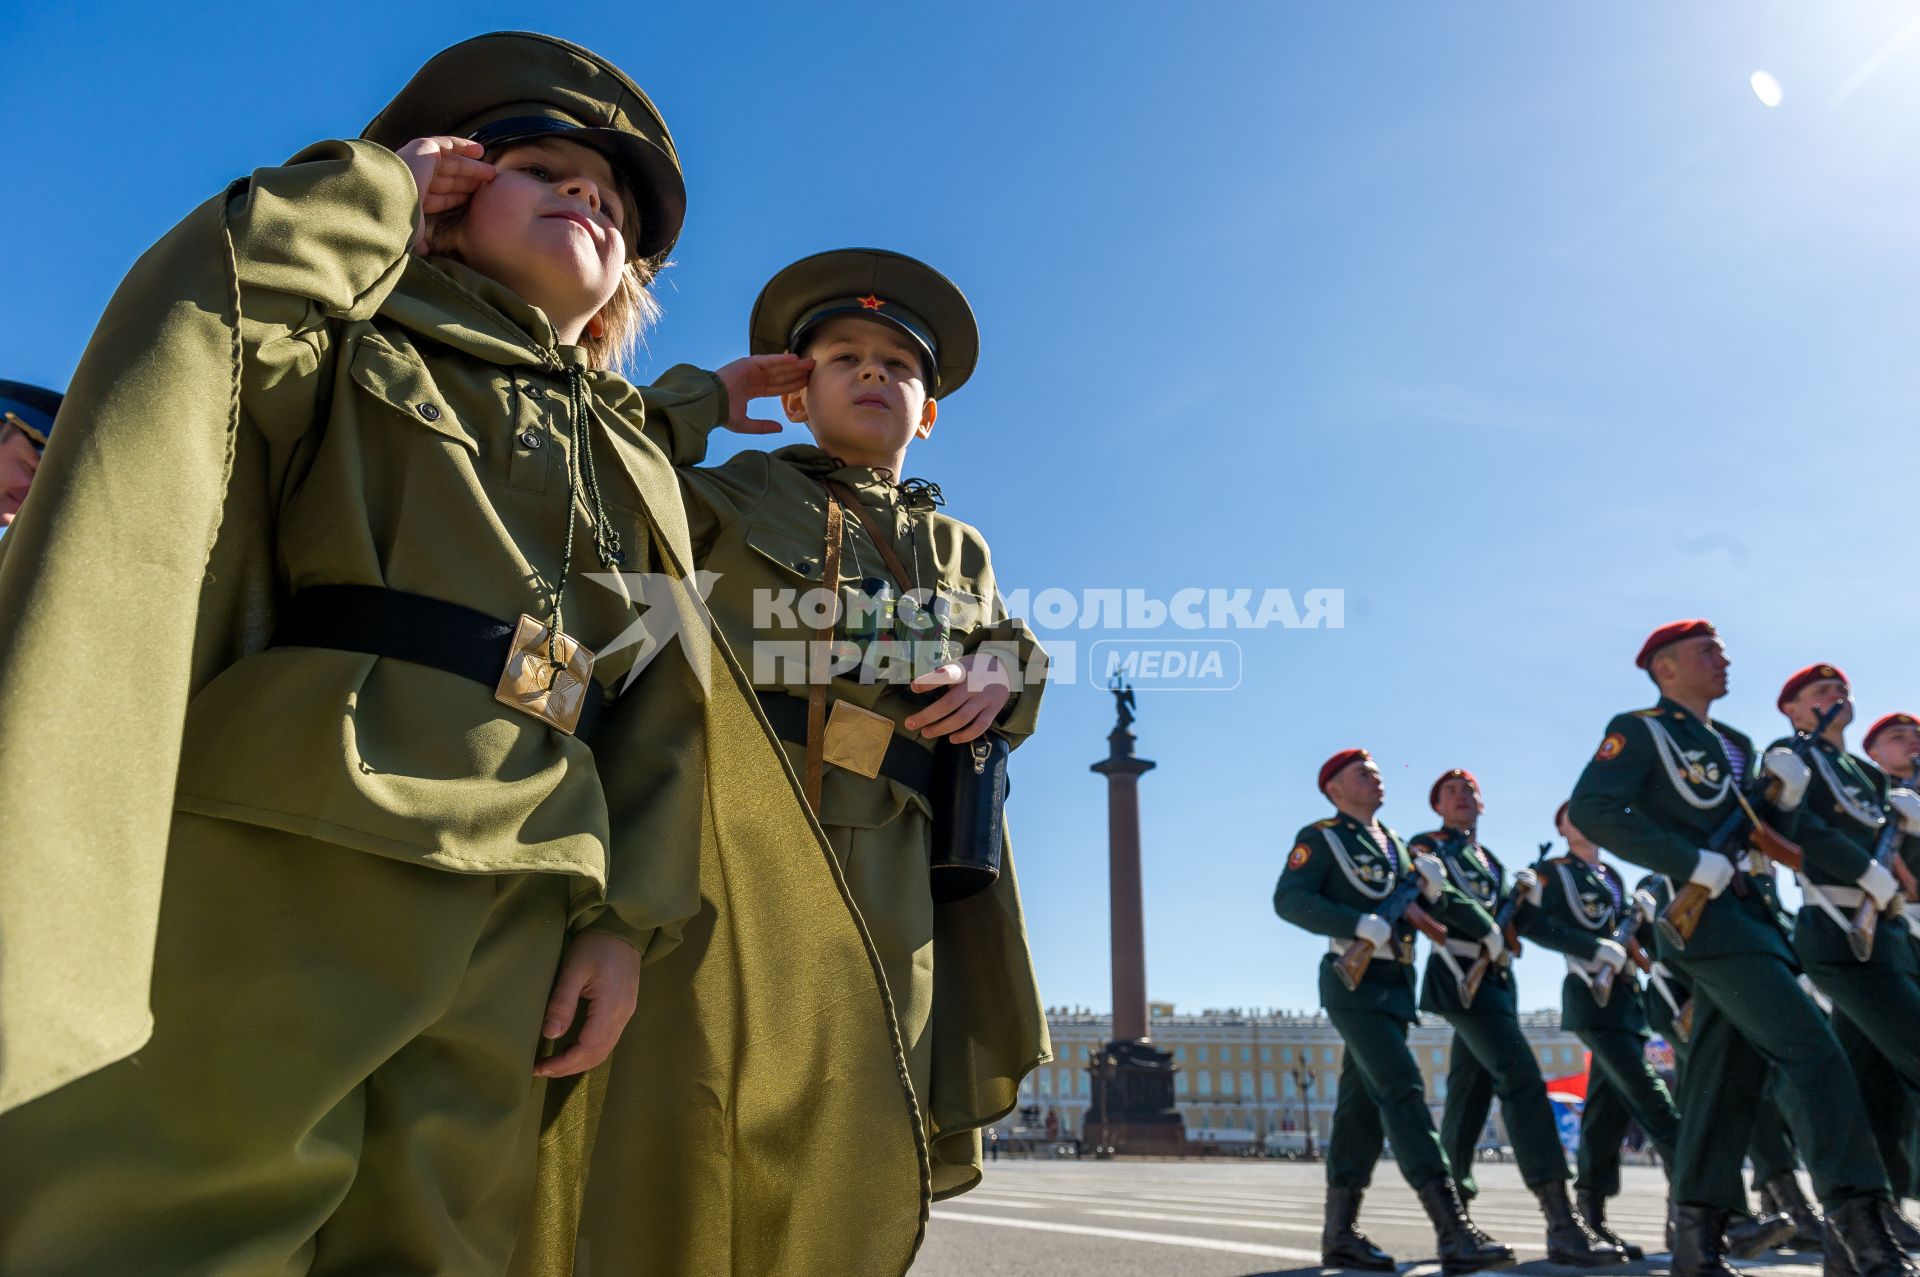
{"points": [[1132, 1096]]}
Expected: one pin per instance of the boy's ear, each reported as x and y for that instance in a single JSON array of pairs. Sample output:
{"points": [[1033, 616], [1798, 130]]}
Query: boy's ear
{"points": [[928, 415], [795, 403], [596, 328]]}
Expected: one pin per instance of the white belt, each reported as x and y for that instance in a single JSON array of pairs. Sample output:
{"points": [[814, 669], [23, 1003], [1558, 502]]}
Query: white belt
{"points": [[1842, 897], [1464, 948], [1338, 948], [1831, 900]]}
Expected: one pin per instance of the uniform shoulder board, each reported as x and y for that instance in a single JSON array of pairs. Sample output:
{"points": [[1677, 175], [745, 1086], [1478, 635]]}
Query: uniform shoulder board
{"points": [[1328, 823], [1655, 712]]}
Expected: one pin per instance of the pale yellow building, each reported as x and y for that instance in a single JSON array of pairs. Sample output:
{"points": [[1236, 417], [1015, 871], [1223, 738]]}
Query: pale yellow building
{"points": [[1244, 1075]]}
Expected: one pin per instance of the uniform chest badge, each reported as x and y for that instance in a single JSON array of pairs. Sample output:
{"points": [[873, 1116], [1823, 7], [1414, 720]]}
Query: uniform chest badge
{"points": [[1372, 869], [1700, 769], [1595, 905]]}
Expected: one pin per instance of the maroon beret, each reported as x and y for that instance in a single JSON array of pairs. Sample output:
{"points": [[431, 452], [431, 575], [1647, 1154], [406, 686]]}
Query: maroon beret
{"points": [[1671, 632], [1433, 795], [1883, 723], [1801, 678], [1333, 766], [1560, 814]]}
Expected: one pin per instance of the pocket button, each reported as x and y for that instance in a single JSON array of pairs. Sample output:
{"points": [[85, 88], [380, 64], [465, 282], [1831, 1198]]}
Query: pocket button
{"points": [[430, 412]]}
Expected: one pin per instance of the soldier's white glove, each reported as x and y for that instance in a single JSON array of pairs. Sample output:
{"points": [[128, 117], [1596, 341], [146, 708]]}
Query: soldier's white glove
{"points": [[1645, 905], [1878, 883], [1905, 805], [1527, 882], [1610, 954], [1791, 772], [1433, 876], [1494, 943], [1373, 929], [1712, 871]]}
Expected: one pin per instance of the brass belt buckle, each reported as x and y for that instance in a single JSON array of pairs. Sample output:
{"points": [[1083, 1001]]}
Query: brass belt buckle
{"points": [[530, 684], [856, 739]]}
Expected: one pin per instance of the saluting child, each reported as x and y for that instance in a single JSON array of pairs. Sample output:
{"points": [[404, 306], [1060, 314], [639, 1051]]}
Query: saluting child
{"points": [[863, 347]]}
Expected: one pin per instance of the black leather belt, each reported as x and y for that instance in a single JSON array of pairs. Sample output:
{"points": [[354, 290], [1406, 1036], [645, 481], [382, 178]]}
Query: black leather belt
{"points": [[410, 627], [905, 762]]}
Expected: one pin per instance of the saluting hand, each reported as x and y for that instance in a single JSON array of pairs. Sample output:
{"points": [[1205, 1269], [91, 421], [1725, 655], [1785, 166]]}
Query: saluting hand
{"points": [[447, 171], [605, 970], [981, 687], [757, 377]]}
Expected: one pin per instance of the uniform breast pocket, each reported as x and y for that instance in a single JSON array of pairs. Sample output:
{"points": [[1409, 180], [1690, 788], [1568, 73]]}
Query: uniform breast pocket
{"points": [[401, 383], [801, 559]]}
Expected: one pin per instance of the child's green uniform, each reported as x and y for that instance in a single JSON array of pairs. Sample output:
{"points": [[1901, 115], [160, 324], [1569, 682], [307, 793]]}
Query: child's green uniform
{"points": [[960, 974], [370, 864]]}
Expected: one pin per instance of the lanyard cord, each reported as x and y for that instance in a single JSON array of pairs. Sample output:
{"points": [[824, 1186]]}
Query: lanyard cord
{"points": [[581, 473]]}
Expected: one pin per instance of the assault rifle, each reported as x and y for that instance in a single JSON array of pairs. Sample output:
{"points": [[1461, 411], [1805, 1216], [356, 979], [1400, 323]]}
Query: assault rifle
{"points": [[1866, 920], [1623, 935], [1503, 923], [1743, 824], [1399, 904]]}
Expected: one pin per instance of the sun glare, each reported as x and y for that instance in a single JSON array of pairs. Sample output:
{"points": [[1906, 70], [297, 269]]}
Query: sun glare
{"points": [[1766, 88]]}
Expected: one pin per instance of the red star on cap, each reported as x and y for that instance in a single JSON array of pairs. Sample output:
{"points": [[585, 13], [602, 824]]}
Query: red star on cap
{"points": [[871, 302]]}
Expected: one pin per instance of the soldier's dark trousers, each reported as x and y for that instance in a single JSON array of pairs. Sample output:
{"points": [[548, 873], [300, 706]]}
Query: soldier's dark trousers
{"points": [[340, 1078], [1621, 1088], [1751, 1013], [1497, 1047], [1876, 1017], [1771, 1145], [1469, 1102], [1381, 1095]]}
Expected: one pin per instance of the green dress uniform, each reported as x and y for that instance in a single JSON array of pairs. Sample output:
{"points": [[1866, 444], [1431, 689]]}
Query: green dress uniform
{"points": [[1580, 905], [959, 973], [1490, 1055], [1660, 784], [341, 878], [1335, 874], [1876, 1003]]}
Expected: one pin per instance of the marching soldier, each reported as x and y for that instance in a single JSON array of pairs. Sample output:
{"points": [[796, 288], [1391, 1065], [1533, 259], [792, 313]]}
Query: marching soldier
{"points": [[1342, 880], [1490, 1055], [1583, 903], [1851, 938], [1660, 791], [1893, 743]]}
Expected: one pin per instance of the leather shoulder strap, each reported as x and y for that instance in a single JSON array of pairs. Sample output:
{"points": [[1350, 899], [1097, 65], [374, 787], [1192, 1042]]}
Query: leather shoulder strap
{"points": [[875, 533]]}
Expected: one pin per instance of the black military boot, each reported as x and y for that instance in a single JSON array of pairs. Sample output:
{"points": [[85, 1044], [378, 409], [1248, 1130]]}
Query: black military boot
{"points": [[1833, 1256], [1569, 1241], [1463, 1247], [1697, 1242], [1750, 1235], [1782, 1194], [1903, 1231], [1342, 1244], [1593, 1209], [1861, 1223]]}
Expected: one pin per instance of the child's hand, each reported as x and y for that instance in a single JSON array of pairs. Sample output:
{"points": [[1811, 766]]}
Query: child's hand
{"points": [[981, 687], [605, 970], [757, 377], [447, 171]]}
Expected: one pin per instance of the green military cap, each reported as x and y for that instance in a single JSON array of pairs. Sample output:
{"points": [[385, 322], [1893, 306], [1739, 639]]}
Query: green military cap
{"points": [[871, 283], [513, 85]]}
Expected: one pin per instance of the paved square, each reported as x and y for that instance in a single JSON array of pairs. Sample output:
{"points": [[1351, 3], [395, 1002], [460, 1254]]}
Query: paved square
{"points": [[1240, 1219]]}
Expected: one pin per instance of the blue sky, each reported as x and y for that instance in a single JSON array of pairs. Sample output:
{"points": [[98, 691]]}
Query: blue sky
{"points": [[1529, 327]]}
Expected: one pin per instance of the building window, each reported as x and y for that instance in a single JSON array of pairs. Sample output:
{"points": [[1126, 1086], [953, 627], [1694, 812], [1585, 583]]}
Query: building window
{"points": [[1566, 1056], [1326, 1055], [1206, 1084], [1440, 1086], [1200, 1054], [1046, 1083], [1286, 1085], [1246, 1084], [1179, 1052], [1180, 1082], [1266, 1055]]}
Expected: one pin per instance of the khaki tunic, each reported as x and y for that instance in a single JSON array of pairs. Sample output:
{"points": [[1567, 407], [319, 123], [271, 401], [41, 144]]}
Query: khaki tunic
{"points": [[960, 975], [282, 395]]}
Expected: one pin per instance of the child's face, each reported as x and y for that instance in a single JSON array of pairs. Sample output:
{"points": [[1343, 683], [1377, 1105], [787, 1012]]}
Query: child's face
{"points": [[867, 394], [19, 459], [548, 226]]}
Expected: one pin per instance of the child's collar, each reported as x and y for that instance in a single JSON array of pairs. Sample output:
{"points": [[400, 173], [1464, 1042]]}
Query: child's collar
{"points": [[821, 464]]}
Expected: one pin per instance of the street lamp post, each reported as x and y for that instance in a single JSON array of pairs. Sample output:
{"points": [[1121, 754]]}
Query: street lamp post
{"points": [[1305, 1082]]}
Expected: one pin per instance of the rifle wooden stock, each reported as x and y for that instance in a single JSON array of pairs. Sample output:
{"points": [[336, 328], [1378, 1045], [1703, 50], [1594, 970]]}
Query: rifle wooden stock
{"points": [[1904, 876], [1602, 985], [1683, 1023], [1512, 937], [1866, 924], [1776, 847], [1476, 976], [1637, 955], [1352, 965], [1682, 915]]}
